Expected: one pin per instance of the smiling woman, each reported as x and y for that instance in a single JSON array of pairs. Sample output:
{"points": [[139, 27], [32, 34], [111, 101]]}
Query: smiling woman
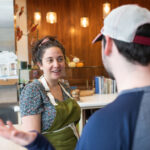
{"points": [[45, 102], [53, 64]]}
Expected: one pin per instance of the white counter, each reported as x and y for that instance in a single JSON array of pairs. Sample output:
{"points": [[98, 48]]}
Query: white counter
{"points": [[96, 100]]}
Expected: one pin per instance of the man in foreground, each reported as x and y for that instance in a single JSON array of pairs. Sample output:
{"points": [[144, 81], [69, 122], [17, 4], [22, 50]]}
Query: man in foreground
{"points": [[125, 123]]}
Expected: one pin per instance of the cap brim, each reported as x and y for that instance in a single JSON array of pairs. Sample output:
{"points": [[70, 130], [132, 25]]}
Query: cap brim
{"points": [[97, 38]]}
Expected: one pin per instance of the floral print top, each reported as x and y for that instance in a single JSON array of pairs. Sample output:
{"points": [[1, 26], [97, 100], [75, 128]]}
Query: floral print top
{"points": [[34, 100]]}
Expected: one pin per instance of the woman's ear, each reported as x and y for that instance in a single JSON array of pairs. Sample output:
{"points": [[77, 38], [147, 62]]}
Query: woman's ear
{"points": [[108, 46], [39, 65]]}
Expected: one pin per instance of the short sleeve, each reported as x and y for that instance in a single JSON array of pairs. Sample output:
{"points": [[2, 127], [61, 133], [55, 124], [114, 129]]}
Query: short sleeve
{"points": [[31, 102]]}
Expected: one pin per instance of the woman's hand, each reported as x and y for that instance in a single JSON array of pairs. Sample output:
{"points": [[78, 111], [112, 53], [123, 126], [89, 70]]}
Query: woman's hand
{"points": [[19, 137]]}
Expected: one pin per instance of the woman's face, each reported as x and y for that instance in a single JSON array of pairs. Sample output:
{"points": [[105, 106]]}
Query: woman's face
{"points": [[53, 63]]}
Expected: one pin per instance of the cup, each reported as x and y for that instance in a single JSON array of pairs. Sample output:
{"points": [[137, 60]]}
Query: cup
{"points": [[23, 65]]}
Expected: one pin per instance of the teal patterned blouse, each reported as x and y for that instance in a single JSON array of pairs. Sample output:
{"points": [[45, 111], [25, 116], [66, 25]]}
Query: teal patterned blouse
{"points": [[34, 100]]}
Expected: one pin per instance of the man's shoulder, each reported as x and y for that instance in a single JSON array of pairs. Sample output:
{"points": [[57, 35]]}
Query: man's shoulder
{"points": [[114, 121], [123, 103], [114, 116], [122, 112]]}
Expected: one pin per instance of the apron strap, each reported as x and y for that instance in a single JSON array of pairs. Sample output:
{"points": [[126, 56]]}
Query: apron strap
{"points": [[74, 129], [51, 97], [65, 91], [72, 126], [43, 81]]}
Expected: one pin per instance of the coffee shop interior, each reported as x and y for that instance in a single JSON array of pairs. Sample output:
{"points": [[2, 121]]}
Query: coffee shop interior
{"points": [[74, 23]]}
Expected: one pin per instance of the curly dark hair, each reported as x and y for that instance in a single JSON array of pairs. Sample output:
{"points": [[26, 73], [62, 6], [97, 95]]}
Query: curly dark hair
{"points": [[38, 49]]}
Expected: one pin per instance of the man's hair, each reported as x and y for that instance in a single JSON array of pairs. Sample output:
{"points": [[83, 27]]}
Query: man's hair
{"points": [[136, 53]]}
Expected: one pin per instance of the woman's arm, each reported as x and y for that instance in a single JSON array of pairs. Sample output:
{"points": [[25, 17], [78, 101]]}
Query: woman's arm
{"points": [[31, 122], [31, 107]]}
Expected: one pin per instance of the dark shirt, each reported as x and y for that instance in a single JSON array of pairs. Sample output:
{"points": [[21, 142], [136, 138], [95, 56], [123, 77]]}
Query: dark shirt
{"points": [[40, 143], [114, 127]]}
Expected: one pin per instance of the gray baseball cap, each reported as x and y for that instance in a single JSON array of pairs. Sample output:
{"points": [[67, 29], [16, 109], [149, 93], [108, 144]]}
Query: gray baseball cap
{"points": [[122, 23]]}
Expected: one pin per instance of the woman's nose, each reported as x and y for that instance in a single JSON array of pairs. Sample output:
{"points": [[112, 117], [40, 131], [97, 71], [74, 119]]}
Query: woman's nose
{"points": [[56, 63]]}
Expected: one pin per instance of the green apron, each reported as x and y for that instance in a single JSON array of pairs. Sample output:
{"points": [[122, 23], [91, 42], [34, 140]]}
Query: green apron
{"points": [[62, 134]]}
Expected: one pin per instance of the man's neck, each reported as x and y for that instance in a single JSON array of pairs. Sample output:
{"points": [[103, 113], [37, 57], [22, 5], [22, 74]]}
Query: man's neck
{"points": [[140, 77]]}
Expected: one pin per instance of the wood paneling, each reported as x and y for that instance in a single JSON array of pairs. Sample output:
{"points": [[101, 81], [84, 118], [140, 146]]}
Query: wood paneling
{"points": [[69, 12], [84, 77], [76, 40]]}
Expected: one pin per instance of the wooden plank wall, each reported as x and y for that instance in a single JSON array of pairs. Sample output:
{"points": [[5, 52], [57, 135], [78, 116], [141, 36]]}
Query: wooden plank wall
{"points": [[76, 40]]}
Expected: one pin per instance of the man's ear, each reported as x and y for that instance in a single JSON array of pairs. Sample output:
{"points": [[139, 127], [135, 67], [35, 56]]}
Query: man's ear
{"points": [[108, 46]]}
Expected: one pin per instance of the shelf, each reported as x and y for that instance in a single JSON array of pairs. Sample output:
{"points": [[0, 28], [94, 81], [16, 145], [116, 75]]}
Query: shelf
{"points": [[8, 82]]}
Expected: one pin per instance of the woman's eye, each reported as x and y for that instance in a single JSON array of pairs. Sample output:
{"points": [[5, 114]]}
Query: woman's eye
{"points": [[50, 60], [60, 59]]}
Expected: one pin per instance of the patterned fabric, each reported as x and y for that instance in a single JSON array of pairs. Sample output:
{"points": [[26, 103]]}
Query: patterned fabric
{"points": [[33, 100]]}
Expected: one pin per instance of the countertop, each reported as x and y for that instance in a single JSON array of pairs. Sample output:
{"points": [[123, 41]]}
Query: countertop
{"points": [[96, 100]]}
